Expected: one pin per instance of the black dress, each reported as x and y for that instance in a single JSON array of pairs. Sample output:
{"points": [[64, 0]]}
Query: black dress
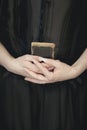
{"points": [[57, 106]]}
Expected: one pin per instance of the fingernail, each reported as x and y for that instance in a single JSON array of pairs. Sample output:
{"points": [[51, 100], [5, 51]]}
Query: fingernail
{"points": [[25, 79], [42, 59], [34, 61]]}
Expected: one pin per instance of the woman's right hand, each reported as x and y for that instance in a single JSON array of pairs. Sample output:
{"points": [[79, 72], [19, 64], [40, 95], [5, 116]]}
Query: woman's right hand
{"points": [[24, 66]]}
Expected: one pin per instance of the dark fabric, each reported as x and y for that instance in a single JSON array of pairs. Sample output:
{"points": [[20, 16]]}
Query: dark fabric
{"points": [[16, 26], [56, 106], [62, 24]]}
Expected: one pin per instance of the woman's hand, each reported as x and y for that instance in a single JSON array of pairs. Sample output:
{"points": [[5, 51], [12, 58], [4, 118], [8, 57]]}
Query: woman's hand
{"points": [[60, 71], [24, 66]]}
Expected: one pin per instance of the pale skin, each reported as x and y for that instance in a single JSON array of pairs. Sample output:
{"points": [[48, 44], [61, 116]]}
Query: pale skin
{"points": [[41, 73], [61, 71], [21, 66]]}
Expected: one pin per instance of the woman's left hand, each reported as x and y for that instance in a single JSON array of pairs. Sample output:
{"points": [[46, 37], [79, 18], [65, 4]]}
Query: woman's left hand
{"points": [[60, 71]]}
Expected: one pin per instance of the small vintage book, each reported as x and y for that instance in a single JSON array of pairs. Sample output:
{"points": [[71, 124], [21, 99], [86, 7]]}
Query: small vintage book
{"points": [[43, 49]]}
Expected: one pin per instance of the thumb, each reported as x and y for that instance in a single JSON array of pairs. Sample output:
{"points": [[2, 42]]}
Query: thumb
{"points": [[48, 61]]}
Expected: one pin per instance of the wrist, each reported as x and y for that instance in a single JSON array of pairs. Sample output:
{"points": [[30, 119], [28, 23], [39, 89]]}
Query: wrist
{"points": [[5, 57], [8, 63], [77, 69], [81, 64]]}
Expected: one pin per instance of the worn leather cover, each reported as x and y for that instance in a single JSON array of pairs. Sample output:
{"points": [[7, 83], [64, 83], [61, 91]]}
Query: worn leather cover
{"points": [[43, 49]]}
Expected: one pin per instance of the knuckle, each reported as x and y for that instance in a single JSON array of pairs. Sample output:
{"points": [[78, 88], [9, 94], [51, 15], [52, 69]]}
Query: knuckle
{"points": [[59, 61], [26, 56]]}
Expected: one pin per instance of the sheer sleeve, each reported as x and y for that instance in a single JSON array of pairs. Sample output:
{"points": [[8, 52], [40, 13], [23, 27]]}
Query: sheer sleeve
{"points": [[83, 31], [82, 36], [4, 26], [15, 25]]}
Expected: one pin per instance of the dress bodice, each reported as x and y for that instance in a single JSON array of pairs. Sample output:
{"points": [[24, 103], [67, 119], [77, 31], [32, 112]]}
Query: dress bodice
{"points": [[58, 21]]}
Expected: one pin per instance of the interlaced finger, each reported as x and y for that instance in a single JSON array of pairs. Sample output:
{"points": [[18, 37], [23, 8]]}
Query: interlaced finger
{"points": [[44, 71], [35, 75]]}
